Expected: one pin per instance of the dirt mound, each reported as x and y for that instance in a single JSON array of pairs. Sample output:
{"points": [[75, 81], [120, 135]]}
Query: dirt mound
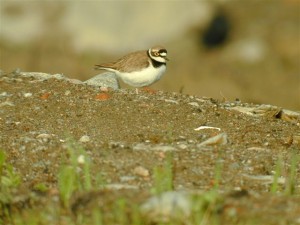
{"points": [[140, 145]]}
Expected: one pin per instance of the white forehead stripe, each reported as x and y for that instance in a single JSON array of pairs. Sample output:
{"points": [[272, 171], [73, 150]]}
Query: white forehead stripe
{"points": [[163, 54]]}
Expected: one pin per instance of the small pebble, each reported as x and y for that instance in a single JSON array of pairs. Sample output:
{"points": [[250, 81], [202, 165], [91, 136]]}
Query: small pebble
{"points": [[141, 171], [195, 104], [182, 146], [84, 139], [4, 94], [127, 178], [44, 137], [67, 92], [81, 159], [27, 95], [165, 148], [171, 101], [104, 89]]}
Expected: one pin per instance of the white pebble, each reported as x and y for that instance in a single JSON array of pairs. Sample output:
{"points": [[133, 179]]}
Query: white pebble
{"points": [[84, 139], [67, 92], [27, 95], [81, 159], [141, 171], [194, 104]]}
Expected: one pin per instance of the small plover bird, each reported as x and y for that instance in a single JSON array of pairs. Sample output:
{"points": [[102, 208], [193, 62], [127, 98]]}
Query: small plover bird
{"points": [[139, 69]]}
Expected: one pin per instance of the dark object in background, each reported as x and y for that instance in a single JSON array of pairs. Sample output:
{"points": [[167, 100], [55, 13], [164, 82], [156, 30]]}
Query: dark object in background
{"points": [[217, 31]]}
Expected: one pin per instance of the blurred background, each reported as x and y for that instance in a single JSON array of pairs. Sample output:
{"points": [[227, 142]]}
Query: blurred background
{"points": [[247, 50]]}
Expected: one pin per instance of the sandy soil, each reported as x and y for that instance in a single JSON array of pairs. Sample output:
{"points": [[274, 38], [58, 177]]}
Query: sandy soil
{"points": [[128, 135]]}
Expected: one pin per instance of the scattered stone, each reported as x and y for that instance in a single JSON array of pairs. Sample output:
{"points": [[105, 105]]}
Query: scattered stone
{"points": [[181, 138], [120, 186], [266, 179], [102, 96], [161, 155], [220, 139], [67, 92], [169, 206], [147, 147], [115, 144], [45, 76], [104, 89], [107, 79], [190, 141], [141, 171], [195, 104], [74, 81], [4, 94], [41, 76], [269, 111], [163, 148], [296, 140], [81, 159], [257, 149], [127, 178], [7, 103], [182, 146], [171, 101], [27, 95], [84, 139], [44, 137], [45, 96], [141, 147]]}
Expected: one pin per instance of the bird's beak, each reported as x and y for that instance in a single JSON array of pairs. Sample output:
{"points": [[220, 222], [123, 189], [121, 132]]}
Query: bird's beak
{"points": [[167, 59]]}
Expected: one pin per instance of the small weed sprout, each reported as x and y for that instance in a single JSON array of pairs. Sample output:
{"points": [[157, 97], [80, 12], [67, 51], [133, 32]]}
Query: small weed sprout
{"points": [[278, 171], [163, 176], [74, 174], [292, 179], [9, 181]]}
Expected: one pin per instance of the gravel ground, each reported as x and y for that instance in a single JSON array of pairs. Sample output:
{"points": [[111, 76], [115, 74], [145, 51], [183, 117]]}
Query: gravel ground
{"points": [[128, 135]]}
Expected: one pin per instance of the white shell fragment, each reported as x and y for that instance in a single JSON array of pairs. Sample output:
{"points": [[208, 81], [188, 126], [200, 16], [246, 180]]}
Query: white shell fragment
{"points": [[171, 101], [207, 127], [220, 139]]}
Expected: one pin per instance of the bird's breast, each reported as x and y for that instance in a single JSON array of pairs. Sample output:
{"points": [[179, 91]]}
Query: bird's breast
{"points": [[144, 77]]}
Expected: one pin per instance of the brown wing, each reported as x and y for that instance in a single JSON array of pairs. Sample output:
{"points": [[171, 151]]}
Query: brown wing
{"points": [[132, 62], [104, 66]]}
